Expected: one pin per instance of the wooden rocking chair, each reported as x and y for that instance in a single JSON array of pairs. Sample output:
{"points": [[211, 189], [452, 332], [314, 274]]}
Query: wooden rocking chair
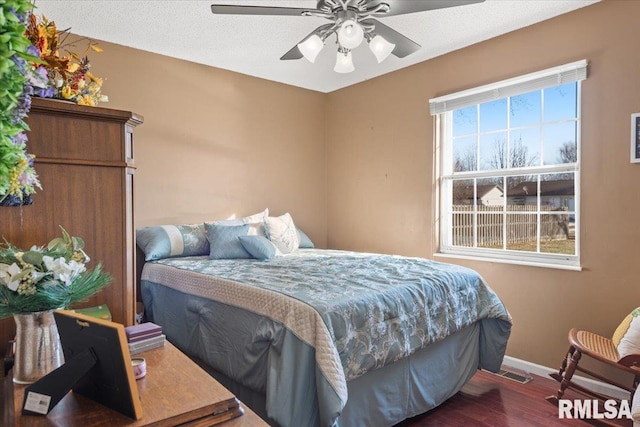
{"points": [[599, 348]]}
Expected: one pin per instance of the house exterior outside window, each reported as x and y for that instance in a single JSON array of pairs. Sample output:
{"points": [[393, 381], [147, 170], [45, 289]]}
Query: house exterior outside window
{"points": [[508, 169]]}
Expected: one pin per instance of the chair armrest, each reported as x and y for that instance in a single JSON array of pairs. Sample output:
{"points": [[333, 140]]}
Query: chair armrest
{"points": [[631, 361]]}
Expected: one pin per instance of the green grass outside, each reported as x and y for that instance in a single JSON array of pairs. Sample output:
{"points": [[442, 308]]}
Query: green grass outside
{"points": [[567, 247]]}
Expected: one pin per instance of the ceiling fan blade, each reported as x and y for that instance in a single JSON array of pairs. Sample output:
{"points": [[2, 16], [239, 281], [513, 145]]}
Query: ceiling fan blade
{"points": [[294, 52], [401, 7], [227, 9], [404, 45]]}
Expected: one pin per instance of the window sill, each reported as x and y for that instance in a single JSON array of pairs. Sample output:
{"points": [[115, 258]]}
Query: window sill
{"points": [[529, 263]]}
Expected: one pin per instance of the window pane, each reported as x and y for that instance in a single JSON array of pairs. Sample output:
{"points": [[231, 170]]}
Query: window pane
{"points": [[522, 229], [525, 148], [522, 192], [560, 143], [462, 229], [465, 154], [462, 212], [465, 121], [489, 192], [462, 194], [493, 115], [557, 233], [557, 191], [493, 151], [561, 102], [490, 227], [525, 109]]}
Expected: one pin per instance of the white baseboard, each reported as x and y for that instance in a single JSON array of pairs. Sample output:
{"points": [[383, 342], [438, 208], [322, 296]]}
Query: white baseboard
{"points": [[543, 371]]}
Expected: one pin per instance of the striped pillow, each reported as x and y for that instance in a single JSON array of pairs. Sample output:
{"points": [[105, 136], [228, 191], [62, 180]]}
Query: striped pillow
{"points": [[165, 241]]}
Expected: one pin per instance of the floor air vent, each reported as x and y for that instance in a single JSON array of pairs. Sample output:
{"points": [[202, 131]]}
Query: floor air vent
{"points": [[513, 374]]}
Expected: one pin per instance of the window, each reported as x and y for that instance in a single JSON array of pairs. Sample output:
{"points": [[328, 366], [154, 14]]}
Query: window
{"points": [[509, 169]]}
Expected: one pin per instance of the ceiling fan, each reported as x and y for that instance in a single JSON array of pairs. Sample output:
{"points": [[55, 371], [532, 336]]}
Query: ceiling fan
{"points": [[353, 22]]}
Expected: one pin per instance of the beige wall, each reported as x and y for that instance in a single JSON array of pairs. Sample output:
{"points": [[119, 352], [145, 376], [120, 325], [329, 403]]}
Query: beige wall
{"points": [[380, 170], [215, 143]]}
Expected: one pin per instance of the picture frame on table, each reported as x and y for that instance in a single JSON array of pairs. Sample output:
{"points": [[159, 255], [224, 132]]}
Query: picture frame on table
{"points": [[635, 138]]}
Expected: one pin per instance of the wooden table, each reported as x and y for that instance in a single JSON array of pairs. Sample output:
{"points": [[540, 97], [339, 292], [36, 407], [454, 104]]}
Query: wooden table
{"points": [[175, 391]]}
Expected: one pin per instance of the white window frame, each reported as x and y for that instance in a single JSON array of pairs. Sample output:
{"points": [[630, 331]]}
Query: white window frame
{"points": [[442, 108]]}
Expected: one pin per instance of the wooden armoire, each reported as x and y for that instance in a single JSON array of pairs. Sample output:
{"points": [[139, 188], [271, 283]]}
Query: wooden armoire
{"points": [[84, 159]]}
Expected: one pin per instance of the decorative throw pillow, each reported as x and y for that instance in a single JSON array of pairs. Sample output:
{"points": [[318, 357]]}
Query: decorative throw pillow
{"points": [[305, 241], [626, 337], [255, 221], [258, 246], [282, 232], [164, 241], [635, 406], [224, 242]]}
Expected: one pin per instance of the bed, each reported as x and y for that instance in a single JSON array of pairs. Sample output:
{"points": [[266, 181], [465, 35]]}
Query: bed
{"points": [[326, 337]]}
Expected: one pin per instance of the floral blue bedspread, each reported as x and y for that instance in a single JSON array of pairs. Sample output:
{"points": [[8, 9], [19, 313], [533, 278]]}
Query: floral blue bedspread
{"points": [[377, 308]]}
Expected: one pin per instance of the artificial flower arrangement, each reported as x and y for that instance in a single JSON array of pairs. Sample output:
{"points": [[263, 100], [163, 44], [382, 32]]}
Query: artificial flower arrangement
{"points": [[46, 278], [18, 179], [67, 73]]}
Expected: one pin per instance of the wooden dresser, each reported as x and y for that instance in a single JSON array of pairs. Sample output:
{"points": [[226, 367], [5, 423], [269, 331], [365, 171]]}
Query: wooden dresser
{"points": [[84, 158]]}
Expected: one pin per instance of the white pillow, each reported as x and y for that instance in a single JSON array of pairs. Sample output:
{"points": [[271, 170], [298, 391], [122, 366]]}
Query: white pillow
{"points": [[635, 407], [282, 232], [626, 337]]}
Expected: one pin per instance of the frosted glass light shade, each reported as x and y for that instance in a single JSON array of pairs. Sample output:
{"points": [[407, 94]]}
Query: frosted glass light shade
{"points": [[350, 34], [344, 63], [311, 47], [381, 48]]}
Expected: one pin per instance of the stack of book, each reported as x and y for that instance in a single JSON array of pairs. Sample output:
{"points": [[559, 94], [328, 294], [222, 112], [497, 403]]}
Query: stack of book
{"points": [[143, 337]]}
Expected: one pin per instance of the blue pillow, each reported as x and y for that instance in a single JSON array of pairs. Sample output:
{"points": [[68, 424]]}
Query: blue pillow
{"points": [[164, 241], [224, 242], [305, 241], [258, 246]]}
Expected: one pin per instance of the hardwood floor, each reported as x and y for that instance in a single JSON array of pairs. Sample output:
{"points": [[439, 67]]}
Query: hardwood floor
{"points": [[489, 400]]}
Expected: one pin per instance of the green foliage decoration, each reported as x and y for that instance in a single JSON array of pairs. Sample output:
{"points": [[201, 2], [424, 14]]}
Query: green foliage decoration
{"points": [[46, 278], [17, 176]]}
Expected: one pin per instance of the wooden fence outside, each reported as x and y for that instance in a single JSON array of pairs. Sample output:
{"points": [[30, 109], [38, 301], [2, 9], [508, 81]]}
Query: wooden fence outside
{"points": [[522, 223]]}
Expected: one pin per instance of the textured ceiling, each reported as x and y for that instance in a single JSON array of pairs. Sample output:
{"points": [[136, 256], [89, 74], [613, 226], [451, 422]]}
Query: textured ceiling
{"points": [[253, 44]]}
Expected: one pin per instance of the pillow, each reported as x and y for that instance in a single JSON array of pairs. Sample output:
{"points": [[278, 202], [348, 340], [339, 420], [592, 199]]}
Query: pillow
{"points": [[258, 246], [224, 242], [626, 338], [255, 221], [164, 241], [305, 241], [282, 232], [635, 407]]}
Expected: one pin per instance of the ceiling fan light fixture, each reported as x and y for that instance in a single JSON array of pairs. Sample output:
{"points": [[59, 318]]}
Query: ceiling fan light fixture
{"points": [[311, 47], [381, 48], [350, 34], [344, 62]]}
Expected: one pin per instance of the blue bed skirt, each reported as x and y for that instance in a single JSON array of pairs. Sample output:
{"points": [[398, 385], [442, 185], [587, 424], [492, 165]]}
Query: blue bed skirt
{"points": [[382, 397]]}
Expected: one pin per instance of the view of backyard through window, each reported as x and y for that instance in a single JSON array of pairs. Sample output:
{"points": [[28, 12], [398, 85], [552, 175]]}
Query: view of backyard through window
{"points": [[512, 170]]}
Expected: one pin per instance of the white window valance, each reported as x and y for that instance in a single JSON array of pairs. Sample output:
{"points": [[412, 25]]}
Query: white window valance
{"points": [[555, 76]]}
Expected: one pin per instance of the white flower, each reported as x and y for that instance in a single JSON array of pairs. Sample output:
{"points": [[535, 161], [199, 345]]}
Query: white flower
{"points": [[7, 273], [63, 271]]}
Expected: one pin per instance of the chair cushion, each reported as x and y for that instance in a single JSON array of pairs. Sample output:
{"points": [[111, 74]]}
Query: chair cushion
{"points": [[626, 337]]}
